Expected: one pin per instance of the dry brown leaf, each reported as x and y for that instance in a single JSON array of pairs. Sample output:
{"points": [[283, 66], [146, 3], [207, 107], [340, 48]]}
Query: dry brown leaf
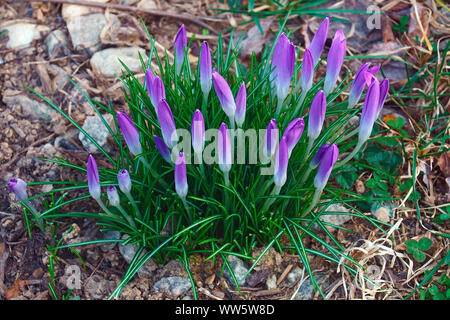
{"points": [[444, 164]]}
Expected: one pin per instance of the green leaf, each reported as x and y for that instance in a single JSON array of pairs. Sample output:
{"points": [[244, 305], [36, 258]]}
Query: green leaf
{"points": [[412, 244], [419, 256], [425, 244], [347, 179]]}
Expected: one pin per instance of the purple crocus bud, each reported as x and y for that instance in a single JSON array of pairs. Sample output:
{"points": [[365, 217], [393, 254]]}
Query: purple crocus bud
{"points": [[293, 132], [149, 77], [198, 132], [283, 62], [158, 92], [162, 148], [359, 84], [317, 115], [167, 124], [224, 94], [113, 196], [130, 133], [374, 69], [307, 71], [281, 163], [319, 39], [181, 185], [19, 187], [93, 179], [271, 139], [241, 105], [326, 165], [123, 178], [384, 89], [205, 69], [335, 59], [370, 109], [224, 148], [318, 157], [180, 45]]}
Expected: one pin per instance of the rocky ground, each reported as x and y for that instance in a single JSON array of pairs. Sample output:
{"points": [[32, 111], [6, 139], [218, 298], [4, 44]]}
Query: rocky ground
{"points": [[47, 43]]}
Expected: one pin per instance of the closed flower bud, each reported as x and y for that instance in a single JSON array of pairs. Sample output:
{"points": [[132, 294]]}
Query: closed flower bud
{"points": [[283, 62], [316, 160], [205, 69], [359, 84], [198, 132], [93, 178], [19, 188], [113, 196], [180, 45], [307, 71], [224, 148], [162, 148], [384, 89], [181, 185], [224, 94], [326, 165], [271, 139], [370, 109], [130, 133], [167, 124], [319, 39], [293, 132], [335, 59], [123, 178], [317, 115], [241, 105]]}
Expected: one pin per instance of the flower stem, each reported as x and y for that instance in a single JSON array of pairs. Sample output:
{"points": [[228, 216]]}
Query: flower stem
{"points": [[133, 203], [299, 104], [314, 201], [350, 156], [126, 216]]}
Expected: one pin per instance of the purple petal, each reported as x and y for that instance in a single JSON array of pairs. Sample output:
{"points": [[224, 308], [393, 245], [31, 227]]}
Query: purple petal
{"points": [[318, 42], [307, 70], [162, 148], [19, 187], [335, 59], [198, 132], [93, 178], [281, 163], [167, 124], [384, 90], [318, 157], [130, 133], [374, 69], [205, 69], [224, 94], [180, 45], [113, 196], [271, 139], [241, 105], [293, 132], [325, 167], [224, 148], [123, 178], [283, 61], [158, 91], [369, 111], [317, 115], [181, 185], [149, 77], [358, 86]]}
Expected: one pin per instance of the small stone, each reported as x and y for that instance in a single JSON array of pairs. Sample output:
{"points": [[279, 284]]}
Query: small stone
{"points": [[72, 10], [48, 150], [239, 270], [306, 290], [22, 34], [174, 286], [127, 251], [336, 219], [382, 212], [109, 235], [147, 5], [55, 41], [106, 62], [294, 276], [271, 282], [187, 298], [65, 141], [69, 235], [29, 108], [94, 126]]}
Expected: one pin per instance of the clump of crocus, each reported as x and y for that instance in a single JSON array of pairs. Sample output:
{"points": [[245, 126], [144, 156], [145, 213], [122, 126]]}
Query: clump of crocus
{"points": [[334, 61], [180, 45], [283, 62]]}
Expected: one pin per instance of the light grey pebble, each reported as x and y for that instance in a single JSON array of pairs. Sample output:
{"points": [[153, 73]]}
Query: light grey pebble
{"points": [[175, 286]]}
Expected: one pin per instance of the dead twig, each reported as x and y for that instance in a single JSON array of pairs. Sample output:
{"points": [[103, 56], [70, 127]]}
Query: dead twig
{"points": [[120, 7]]}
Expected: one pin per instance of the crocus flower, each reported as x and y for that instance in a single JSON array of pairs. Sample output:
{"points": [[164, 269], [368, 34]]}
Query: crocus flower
{"points": [[326, 165], [335, 59], [167, 124], [241, 105], [19, 187], [113, 196], [384, 89], [149, 77], [123, 178], [130, 133], [224, 148], [181, 185], [162, 148], [224, 94], [317, 115], [281, 163], [93, 179], [198, 132], [293, 132], [370, 108], [180, 45], [319, 39], [307, 71], [271, 139], [158, 92], [205, 69], [283, 62], [318, 157], [359, 83]]}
